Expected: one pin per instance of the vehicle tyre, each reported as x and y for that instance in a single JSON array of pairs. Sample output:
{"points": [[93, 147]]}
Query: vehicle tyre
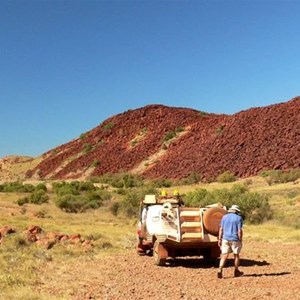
{"points": [[212, 219], [141, 250], [158, 248], [212, 254]]}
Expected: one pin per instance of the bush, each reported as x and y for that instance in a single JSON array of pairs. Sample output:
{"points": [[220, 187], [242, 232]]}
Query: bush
{"points": [[159, 183], [169, 135], [122, 180], [41, 186], [22, 201], [73, 188], [95, 163], [227, 176], [27, 188], [108, 126], [87, 148], [279, 176], [37, 197], [82, 136], [79, 196], [114, 208], [193, 178], [199, 197], [64, 188], [131, 200], [16, 187], [219, 130], [255, 207], [76, 204]]}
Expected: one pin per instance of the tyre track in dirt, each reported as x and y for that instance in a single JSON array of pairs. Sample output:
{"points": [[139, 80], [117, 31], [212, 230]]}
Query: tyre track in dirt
{"points": [[271, 271]]}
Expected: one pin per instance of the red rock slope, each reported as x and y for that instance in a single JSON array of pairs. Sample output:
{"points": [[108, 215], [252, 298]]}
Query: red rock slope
{"points": [[139, 141]]}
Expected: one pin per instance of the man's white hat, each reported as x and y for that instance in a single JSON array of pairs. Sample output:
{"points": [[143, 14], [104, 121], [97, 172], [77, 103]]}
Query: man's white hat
{"points": [[234, 208]]}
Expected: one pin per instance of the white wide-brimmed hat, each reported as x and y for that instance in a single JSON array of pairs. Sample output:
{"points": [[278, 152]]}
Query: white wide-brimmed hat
{"points": [[234, 208]]}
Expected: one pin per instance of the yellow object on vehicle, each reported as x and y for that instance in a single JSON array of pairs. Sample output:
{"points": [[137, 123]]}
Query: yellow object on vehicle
{"points": [[164, 193]]}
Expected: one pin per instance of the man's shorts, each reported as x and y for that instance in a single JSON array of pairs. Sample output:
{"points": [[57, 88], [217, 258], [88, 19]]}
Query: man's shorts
{"points": [[231, 246]]}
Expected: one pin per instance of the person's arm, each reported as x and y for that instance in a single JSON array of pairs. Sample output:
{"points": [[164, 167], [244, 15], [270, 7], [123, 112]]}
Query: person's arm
{"points": [[240, 230], [220, 236], [240, 235]]}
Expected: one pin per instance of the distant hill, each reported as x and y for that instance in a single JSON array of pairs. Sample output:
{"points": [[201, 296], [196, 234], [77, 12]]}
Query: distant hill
{"points": [[157, 141]]}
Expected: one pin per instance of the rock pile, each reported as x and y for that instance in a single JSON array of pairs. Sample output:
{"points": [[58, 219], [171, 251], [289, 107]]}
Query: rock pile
{"points": [[244, 143], [35, 234]]}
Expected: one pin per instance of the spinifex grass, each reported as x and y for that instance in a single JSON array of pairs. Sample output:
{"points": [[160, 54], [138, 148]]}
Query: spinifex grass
{"points": [[22, 263]]}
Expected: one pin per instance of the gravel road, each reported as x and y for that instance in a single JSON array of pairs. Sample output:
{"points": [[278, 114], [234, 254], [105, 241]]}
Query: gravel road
{"points": [[271, 271]]}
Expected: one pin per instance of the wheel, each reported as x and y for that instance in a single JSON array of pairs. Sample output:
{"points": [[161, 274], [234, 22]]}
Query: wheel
{"points": [[159, 254], [211, 254], [212, 219], [140, 249]]}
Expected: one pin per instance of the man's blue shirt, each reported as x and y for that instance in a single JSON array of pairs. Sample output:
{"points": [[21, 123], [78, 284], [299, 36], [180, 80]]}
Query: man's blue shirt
{"points": [[231, 224]]}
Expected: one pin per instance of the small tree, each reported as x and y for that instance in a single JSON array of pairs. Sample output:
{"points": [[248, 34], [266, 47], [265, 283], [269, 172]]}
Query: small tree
{"points": [[227, 176]]}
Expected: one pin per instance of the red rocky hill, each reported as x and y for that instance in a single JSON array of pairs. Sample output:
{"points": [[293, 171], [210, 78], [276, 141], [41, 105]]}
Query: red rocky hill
{"points": [[167, 142]]}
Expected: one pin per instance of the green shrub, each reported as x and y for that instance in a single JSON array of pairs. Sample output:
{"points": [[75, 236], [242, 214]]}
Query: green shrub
{"points": [[131, 200], [169, 135], [84, 186], [227, 176], [79, 196], [41, 186], [108, 126], [144, 131], [255, 207], [73, 187], [82, 136], [114, 208], [159, 183], [22, 201], [122, 180], [64, 188], [16, 187], [38, 197], [279, 176], [95, 163], [220, 129], [199, 197], [87, 148], [134, 143], [76, 204], [179, 129], [28, 188], [193, 178]]}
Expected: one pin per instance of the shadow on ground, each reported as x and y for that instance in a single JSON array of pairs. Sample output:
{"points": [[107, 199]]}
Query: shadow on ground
{"points": [[201, 263], [267, 274]]}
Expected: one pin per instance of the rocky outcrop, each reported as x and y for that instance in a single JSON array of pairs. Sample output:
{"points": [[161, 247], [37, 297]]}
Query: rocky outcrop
{"points": [[187, 141]]}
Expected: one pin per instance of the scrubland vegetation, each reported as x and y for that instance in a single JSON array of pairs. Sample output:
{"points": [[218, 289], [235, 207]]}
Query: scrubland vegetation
{"points": [[104, 210]]}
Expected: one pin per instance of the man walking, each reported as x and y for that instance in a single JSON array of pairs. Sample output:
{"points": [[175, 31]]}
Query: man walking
{"points": [[231, 239]]}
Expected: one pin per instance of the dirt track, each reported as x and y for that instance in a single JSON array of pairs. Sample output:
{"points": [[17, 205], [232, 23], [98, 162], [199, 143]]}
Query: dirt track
{"points": [[271, 271]]}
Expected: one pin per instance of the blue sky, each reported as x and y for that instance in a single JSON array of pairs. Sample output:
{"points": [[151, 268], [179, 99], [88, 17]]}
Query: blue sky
{"points": [[66, 66]]}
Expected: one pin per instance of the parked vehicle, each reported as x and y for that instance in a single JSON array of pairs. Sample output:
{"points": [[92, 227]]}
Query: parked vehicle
{"points": [[167, 228]]}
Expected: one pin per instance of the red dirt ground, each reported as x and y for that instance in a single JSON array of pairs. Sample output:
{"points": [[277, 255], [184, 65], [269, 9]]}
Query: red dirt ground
{"points": [[268, 275]]}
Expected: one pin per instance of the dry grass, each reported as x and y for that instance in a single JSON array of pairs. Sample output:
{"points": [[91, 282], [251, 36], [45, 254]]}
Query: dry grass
{"points": [[21, 261], [272, 232]]}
